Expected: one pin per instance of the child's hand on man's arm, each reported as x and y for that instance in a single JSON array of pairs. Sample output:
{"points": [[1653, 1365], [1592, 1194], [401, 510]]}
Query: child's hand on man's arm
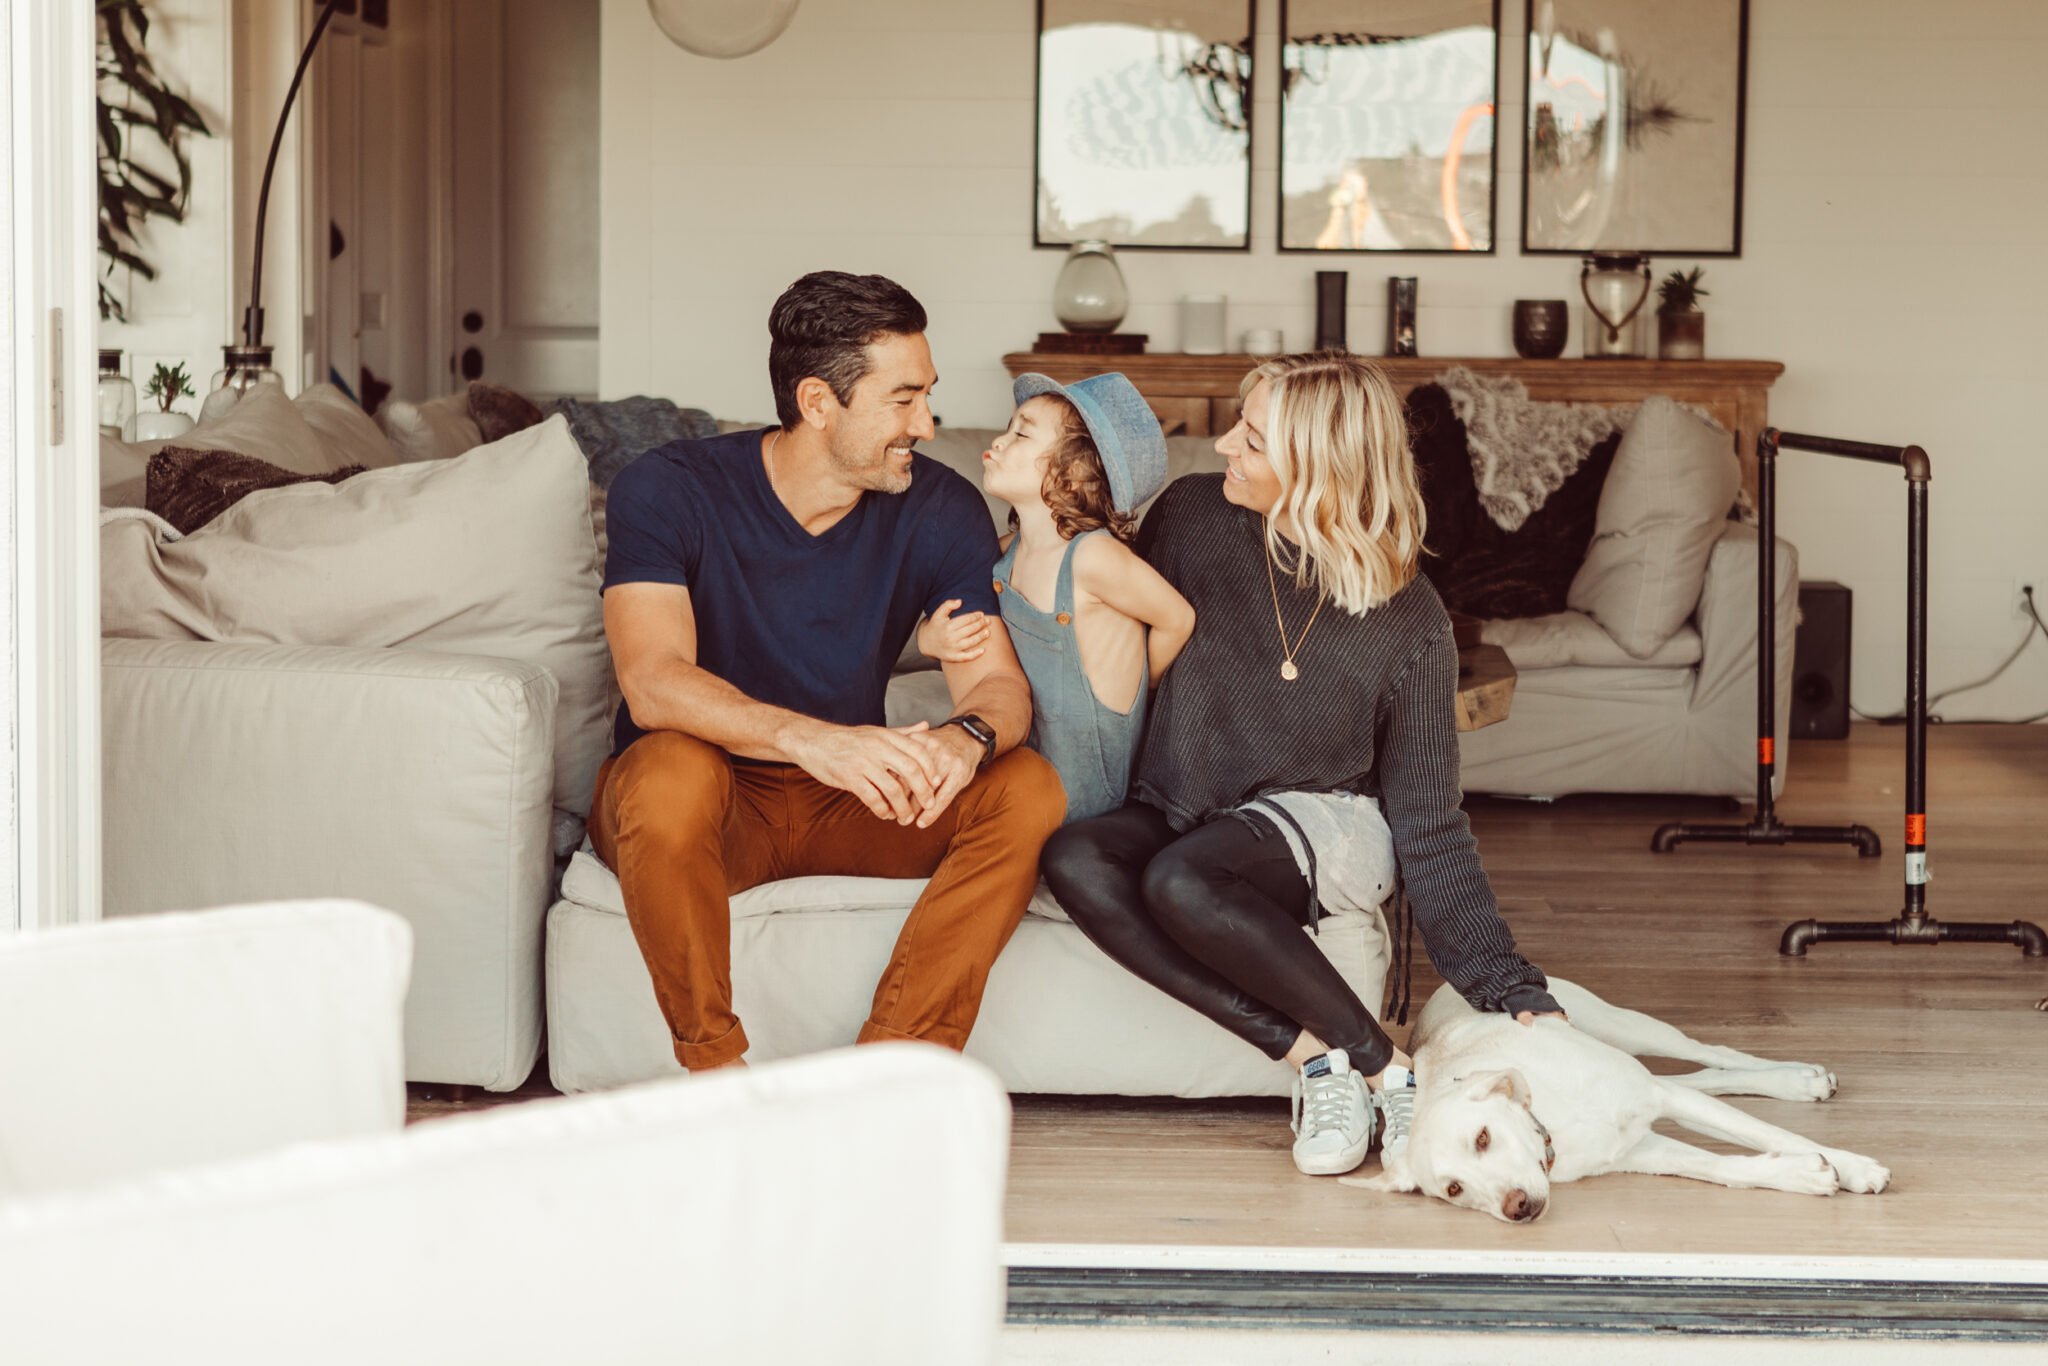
{"points": [[950, 639]]}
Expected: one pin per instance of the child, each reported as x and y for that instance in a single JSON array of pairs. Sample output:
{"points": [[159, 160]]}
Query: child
{"points": [[1074, 465]]}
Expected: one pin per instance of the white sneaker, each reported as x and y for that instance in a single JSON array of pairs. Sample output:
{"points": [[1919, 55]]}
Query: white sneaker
{"points": [[1333, 1116], [1396, 1102]]}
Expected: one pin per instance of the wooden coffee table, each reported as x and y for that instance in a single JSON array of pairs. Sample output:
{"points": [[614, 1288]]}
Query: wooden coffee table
{"points": [[1486, 686]]}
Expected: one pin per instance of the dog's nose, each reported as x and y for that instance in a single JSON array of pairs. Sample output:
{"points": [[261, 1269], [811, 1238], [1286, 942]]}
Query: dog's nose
{"points": [[1517, 1206]]}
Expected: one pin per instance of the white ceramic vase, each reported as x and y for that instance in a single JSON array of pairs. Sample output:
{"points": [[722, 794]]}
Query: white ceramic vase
{"points": [[1089, 295]]}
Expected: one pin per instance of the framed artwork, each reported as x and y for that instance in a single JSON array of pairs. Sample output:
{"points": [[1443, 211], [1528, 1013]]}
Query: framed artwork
{"points": [[1144, 123], [1387, 124], [1635, 127]]}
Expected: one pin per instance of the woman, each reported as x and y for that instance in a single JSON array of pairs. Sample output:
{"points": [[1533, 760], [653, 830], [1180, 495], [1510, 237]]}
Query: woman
{"points": [[1322, 675]]}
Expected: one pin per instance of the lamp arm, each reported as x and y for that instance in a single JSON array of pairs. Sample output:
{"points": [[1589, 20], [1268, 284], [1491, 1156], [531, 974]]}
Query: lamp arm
{"points": [[252, 318]]}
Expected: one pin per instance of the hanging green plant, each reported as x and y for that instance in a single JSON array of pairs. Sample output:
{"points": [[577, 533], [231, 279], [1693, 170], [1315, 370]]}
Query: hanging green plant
{"points": [[132, 194]]}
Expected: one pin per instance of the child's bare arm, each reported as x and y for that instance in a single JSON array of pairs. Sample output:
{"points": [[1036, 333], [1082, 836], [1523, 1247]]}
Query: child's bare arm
{"points": [[950, 639], [1114, 573]]}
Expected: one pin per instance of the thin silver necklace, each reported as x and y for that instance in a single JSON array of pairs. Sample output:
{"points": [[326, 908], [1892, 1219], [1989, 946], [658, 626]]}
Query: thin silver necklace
{"points": [[771, 460]]}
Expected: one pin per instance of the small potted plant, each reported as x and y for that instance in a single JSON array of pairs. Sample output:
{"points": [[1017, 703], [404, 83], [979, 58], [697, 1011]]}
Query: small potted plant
{"points": [[167, 384], [1681, 325]]}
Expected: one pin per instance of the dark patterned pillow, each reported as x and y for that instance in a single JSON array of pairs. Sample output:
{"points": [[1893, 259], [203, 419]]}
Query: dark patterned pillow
{"points": [[500, 412], [1478, 568], [189, 488]]}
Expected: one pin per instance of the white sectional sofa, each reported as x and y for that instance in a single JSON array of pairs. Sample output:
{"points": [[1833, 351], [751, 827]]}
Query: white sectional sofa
{"points": [[246, 760]]}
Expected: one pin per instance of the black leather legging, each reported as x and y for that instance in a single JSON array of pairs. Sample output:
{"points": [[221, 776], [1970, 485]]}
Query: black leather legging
{"points": [[1214, 919]]}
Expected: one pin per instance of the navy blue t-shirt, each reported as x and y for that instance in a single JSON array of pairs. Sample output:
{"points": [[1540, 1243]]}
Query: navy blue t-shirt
{"points": [[810, 623]]}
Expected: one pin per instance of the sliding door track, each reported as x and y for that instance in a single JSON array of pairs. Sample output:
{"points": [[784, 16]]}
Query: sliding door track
{"points": [[1309, 1300]]}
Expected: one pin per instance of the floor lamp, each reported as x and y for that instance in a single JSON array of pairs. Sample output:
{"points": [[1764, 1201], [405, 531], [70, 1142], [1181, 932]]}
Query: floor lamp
{"points": [[245, 366]]}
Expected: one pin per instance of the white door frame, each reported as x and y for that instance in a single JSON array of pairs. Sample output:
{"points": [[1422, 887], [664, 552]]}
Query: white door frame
{"points": [[51, 366]]}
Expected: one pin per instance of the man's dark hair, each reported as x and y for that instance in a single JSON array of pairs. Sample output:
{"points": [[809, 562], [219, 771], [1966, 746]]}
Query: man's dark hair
{"points": [[823, 324]]}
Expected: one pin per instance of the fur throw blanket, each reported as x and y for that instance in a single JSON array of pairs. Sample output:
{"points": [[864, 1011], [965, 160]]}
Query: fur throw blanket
{"points": [[1522, 450]]}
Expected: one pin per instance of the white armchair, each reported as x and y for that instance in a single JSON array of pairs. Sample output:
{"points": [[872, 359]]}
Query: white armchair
{"points": [[842, 1208]]}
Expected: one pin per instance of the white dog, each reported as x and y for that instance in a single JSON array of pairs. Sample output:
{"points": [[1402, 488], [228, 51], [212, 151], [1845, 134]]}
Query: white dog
{"points": [[1503, 1110]]}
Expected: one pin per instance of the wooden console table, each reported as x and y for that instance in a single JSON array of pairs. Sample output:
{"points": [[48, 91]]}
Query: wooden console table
{"points": [[1197, 395]]}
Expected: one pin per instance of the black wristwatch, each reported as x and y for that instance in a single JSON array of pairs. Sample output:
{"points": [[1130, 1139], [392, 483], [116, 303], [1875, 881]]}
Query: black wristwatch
{"points": [[980, 730]]}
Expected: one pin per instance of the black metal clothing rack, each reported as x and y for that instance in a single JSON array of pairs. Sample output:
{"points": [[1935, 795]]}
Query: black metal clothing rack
{"points": [[1912, 925]]}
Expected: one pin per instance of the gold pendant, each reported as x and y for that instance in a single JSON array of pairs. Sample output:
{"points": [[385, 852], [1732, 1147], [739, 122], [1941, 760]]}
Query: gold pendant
{"points": [[1288, 671]]}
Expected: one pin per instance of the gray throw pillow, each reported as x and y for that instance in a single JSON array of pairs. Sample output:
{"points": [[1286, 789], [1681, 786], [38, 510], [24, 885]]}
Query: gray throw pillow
{"points": [[1664, 505]]}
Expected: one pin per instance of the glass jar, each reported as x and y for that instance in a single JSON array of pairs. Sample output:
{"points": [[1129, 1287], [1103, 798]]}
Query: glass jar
{"points": [[1616, 285], [242, 369], [1089, 295], [115, 399]]}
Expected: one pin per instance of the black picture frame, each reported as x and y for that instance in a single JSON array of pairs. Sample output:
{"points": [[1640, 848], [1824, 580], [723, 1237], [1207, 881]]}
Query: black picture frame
{"points": [[1295, 68], [1671, 92], [1236, 83]]}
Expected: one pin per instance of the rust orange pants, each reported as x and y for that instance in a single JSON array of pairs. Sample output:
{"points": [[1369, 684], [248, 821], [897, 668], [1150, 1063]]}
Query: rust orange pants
{"points": [[685, 828]]}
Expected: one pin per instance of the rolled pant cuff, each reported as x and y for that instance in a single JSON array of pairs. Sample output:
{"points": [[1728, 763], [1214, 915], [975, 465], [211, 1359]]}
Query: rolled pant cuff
{"points": [[875, 1033], [723, 1049]]}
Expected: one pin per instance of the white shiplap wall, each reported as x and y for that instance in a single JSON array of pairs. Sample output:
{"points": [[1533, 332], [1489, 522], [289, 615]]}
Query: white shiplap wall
{"points": [[1897, 208]]}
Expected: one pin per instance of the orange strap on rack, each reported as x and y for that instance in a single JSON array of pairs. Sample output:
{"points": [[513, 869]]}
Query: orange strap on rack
{"points": [[1764, 749], [1916, 829]]}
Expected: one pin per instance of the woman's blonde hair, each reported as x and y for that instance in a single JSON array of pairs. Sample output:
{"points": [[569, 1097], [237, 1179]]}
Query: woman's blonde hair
{"points": [[1337, 440]]}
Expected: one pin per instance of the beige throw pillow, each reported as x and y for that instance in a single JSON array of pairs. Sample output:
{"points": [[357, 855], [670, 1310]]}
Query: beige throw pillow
{"points": [[1663, 507], [488, 554], [348, 433]]}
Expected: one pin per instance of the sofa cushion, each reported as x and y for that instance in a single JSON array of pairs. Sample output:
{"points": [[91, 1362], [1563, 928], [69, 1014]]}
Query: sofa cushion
{"points": [[438, 429], [189, 488], [349, 434], [124, 473], [589, 883], [1664, 505], [1563, 639], [488, 554]]}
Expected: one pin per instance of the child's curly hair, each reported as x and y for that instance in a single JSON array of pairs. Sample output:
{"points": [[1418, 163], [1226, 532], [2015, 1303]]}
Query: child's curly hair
{"points": [[1076, 488]]}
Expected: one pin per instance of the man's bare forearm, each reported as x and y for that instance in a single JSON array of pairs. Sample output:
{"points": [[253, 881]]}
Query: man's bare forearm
{"points": [[697, 702], [1004, 701]]}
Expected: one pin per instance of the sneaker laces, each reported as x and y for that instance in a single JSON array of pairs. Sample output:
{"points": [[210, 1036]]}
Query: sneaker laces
{"points": [[1325, 1100], [1397, 1106]]}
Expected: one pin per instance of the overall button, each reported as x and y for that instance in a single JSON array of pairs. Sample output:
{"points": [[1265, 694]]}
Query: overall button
{"points": [[1063, 618]]}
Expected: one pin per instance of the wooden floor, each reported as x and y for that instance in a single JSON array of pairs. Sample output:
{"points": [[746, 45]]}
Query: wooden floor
{"points": [[1942, 1058]]}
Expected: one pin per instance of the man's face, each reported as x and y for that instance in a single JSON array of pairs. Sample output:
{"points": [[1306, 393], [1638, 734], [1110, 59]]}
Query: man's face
{"points": [[870, 437]]}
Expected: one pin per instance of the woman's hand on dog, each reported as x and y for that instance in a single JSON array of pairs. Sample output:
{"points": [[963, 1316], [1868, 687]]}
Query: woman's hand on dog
{"points": [[1528, 1018]]}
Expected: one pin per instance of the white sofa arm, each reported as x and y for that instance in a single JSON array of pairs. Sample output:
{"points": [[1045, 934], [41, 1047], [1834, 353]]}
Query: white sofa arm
{"points": [[407, 779], [1723, 712], [845, 1208], [144, 1045]]}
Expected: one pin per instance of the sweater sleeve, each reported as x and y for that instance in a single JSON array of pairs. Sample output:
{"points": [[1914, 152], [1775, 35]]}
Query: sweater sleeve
{"points": [[1454, 906]]}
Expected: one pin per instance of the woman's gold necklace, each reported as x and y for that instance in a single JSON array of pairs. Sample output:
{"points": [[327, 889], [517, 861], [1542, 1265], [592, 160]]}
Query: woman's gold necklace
{"points": [[1288, 670]]}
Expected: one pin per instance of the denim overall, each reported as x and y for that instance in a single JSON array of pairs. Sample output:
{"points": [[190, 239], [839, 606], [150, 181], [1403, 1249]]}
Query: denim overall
{"points": [[1089, 744]]}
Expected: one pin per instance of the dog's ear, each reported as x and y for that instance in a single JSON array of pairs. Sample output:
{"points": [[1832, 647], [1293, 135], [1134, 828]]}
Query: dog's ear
{"points": [[1508, 1082], [1394, 1176]]}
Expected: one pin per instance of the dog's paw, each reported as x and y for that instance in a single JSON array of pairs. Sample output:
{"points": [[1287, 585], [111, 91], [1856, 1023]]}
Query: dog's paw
{"points": [[1789, 1081], [1859, 1175], [1805, 1173], [1811, 1082]]}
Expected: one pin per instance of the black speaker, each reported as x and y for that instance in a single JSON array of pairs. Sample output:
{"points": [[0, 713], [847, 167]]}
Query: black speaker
{"points": [[1820, 662]]}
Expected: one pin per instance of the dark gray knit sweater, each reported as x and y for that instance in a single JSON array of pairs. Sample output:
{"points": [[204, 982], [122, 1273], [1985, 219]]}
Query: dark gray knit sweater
{"points": [[1372, 711]]}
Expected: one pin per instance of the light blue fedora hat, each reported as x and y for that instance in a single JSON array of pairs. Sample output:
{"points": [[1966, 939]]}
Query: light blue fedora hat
{"points": [[1127, 435]]}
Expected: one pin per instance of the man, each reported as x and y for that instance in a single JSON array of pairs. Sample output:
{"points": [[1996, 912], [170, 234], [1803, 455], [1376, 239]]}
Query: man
{"points": [[759, 587]]}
